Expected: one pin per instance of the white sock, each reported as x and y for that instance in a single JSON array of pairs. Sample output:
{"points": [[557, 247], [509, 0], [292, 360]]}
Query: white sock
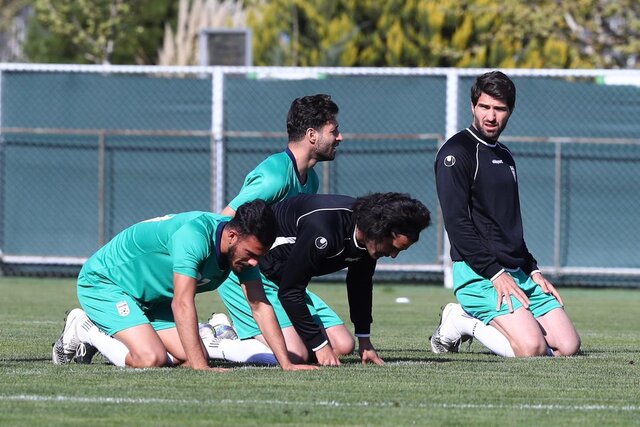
{"points": [[115, 351], [242, 351], [489, 336]]}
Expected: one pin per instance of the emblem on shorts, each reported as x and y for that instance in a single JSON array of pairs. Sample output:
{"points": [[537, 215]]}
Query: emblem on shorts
{"points": [[123, 308], [321, 242], [449, 161]]}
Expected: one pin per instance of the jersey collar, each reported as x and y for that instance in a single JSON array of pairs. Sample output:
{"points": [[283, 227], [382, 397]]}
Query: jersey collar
{"points": [[474, 133], [355, 241], [295, 164], [223, 262]]}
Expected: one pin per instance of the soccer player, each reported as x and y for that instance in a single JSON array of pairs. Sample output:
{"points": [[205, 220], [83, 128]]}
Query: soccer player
{"points": [[313, 136], [505, 300], [138, 290], [322, 234]]}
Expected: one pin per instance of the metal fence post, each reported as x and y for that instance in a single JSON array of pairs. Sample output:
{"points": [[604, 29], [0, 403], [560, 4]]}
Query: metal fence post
{"points": [[451, 127], [101, 188], [217, 140], [557, 210]]}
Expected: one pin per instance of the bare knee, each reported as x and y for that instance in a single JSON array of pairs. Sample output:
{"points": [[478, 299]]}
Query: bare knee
{"points": [[530, 347], [344, 345], [568, 347], [341, 340], [298, 353], [147, 359]]}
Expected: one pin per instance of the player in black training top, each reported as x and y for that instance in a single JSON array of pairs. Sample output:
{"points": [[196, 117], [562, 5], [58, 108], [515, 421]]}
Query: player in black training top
{"points": [[505, 301], [321, 234]]}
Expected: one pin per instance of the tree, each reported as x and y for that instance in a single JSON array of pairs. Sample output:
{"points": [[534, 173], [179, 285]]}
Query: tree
{"points": [[180, 47], [445, 33], [606, 30], [13, 14], [97, 31]]}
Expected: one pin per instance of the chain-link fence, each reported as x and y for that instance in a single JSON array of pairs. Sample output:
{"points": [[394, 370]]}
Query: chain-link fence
{"points": [[88, 150]]}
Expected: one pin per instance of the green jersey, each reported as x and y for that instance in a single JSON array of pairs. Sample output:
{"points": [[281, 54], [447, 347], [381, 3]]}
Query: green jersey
{"points": [[141, 259], [275, 179]]}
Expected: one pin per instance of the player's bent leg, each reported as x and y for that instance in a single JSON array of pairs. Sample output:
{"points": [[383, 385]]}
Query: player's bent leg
{"points": [[523, 332], [146, 349], [340, 339], [298, 352], [560, 333], [171, 342]]}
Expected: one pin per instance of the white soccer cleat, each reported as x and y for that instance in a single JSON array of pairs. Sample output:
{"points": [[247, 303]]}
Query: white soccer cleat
{"points": [[85, 352], [64, 349], [222, 327], [446, 338]]}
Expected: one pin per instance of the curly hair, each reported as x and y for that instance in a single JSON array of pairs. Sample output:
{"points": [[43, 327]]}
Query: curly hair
{"points": [[313, 111], [379, 215], [257, 219]]}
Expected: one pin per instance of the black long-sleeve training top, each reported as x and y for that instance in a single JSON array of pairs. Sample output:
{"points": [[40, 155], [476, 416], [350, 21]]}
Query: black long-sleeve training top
{"points": [[317, 237], [478, 193]]}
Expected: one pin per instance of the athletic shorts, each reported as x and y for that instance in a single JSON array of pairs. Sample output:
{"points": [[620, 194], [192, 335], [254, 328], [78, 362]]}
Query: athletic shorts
{"points": [[113, 310], [240, 311], [479, 297]]}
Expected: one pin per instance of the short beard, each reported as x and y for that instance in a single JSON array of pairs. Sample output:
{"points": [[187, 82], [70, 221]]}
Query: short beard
{"points": [[231, 255]]}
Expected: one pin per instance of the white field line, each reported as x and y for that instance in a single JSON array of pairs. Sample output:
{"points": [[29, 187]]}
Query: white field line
{"points": [[331, 403]]}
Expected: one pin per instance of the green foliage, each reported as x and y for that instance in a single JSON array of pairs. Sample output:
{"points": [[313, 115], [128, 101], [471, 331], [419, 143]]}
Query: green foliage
{"points": [[97, 31], [444, 33], [413, 33]]}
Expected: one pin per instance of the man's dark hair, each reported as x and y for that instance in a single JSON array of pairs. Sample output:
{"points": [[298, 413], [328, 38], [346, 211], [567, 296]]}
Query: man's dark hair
{"points": [[257, 219], [313, 111], [379, 215], [497, 85]]}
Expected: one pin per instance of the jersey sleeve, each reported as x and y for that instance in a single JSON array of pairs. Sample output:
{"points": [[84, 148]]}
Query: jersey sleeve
{"points": [[306, 256], [360, 295], [190, 246], [259, 185], [454, 170]]}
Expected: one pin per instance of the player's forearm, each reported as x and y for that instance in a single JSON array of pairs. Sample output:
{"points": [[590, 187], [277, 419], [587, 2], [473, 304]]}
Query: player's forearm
{"points": [[185, 316], [267, 321]]}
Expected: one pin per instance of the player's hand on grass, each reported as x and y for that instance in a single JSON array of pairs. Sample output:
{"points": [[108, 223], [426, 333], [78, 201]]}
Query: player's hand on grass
{"points": [[204, 368], [546, 286], [507, 287], [294, 367], [368, 353], [217, 369], [327, 357]]}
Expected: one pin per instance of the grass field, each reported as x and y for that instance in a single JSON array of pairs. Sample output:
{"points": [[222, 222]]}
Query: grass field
{"points": [[415, 387]]}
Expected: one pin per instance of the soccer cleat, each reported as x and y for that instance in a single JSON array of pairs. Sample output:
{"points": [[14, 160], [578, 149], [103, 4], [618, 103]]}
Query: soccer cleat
{"points": [[64, 349], [222, 326], [446, 338], [84, 353]]}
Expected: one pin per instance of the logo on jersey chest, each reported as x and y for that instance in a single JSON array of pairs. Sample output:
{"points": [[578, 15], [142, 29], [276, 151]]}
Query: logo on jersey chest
{"points": [[321, 242]]}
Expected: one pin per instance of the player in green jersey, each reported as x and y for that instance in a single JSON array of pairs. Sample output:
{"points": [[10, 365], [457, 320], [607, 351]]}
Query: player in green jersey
{"points": [[138, 291], [313, 136]]}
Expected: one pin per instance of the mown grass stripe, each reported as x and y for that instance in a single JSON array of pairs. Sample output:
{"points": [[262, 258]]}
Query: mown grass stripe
{"points": [[332, 403]]}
